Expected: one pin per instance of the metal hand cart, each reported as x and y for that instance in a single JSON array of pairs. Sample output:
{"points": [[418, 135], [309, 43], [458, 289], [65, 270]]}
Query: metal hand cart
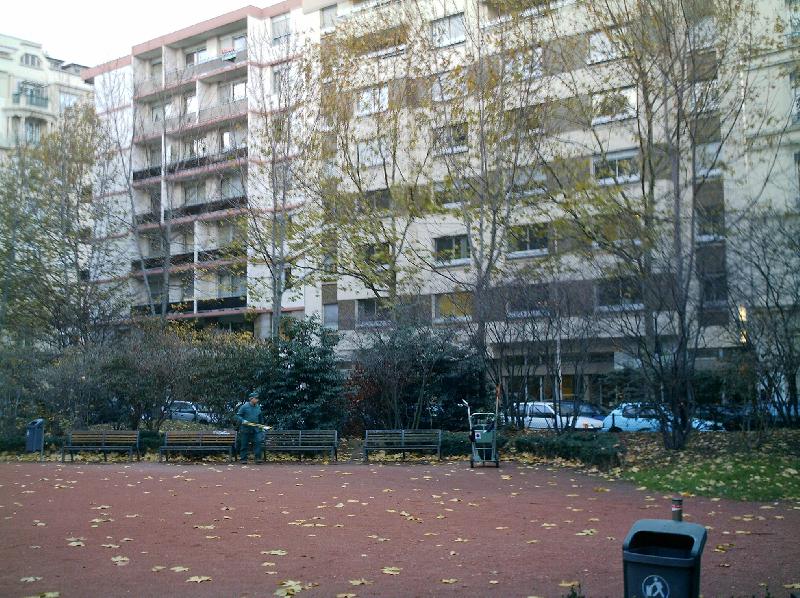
{"points": [[483, 437]]}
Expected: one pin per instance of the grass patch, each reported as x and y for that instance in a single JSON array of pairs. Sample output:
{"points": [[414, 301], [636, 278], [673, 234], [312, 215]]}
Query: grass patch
{"points": [[739, 477], [725, 465]]}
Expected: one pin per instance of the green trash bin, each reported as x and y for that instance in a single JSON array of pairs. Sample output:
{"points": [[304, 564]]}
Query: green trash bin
{"points": [[661, 559]]}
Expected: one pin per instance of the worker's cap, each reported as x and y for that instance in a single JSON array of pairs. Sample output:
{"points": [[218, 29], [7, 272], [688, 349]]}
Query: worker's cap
{"points": [[253, 395]]}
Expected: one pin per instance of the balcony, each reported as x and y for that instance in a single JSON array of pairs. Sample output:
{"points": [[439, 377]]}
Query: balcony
{"points": [[157, 261], [31, 99], [145, 218], [206, 160], [223, 111], [224, 61], [147, 173], [173, 307], [233, 302], [226, 203], [222, 253]]}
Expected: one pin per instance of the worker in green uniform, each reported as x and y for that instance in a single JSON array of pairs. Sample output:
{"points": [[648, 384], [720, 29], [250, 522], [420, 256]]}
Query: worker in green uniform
{"points": [[250, 419]]}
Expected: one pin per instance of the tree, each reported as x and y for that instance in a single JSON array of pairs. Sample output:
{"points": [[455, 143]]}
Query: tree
{"points": [[665, 83], [765, 307]]}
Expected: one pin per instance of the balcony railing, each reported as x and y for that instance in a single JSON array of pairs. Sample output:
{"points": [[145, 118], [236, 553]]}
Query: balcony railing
{"points": [[146, 173], [221, 303], [212, 64], [157, 261], [223, 110], [205, 207], [206, 160], [173, 307], [222, 253], [31, 99]]}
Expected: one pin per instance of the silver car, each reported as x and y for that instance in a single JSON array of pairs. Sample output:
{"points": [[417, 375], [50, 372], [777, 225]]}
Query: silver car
{"points": [[187, 411], [542, 416]]}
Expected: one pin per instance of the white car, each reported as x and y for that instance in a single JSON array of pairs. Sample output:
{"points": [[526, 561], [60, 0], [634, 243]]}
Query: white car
{"points": [[187, 411], [542, 416]]}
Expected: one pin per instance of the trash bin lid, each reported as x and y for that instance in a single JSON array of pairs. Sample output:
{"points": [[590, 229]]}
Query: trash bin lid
{"points": [[691, 535], [36, 422]]}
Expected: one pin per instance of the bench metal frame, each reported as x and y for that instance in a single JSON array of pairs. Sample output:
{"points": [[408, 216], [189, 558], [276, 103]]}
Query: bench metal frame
{"points": [[192, 442], [302, 441], [105, 441], [403, 440]]}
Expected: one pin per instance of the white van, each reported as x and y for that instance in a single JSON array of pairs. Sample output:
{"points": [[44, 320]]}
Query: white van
{"points": [[542, 416]]}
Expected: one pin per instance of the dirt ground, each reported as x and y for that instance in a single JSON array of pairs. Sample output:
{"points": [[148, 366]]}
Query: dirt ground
{"points": [[439, 529]]}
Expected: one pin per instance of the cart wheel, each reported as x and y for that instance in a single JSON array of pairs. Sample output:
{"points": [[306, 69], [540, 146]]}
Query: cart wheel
{"points": [[471, 462]]}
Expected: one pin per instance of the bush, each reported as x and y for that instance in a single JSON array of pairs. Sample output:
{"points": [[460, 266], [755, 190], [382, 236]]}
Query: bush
{"points": [[457, 444], [600, 450], [149, 440]]}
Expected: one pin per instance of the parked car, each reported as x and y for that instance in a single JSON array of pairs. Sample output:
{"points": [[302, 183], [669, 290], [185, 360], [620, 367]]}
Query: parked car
{"points": [[186, 411], [641, 417], [585, 409], [542, 416]]}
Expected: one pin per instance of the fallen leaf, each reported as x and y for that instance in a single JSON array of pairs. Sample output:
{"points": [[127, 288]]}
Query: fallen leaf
{"points": [[451, 580], [391, 570], [568, 584], [158, 568], [346, 595], [120, 561], [360, 582], [276, 552], [199, 578], [30, 579], [179, 568], [792, 586]]}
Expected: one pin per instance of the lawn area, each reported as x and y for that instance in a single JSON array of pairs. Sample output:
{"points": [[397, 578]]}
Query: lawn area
{"points": [[727, 465]]}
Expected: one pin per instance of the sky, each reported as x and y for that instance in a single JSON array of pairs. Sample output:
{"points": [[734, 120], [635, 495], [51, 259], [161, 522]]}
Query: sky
{"points": [[91, 32]]}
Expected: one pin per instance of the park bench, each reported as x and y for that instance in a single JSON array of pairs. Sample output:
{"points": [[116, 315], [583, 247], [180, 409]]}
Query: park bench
{"points": [[302, 441], [218, 441], [105, 441], [403, 440]]}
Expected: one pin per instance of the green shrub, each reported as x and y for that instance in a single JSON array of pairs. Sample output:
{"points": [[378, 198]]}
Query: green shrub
{"points": [[600, 450], [12, 444], [149, 441], [456, 444]]}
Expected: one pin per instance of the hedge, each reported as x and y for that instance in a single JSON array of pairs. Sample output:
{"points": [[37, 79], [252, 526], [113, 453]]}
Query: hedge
{"points": [[600, 450]]}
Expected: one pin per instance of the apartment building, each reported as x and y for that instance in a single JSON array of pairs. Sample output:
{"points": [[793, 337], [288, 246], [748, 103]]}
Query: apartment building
{"points": [[190, 108], [35, 89]]}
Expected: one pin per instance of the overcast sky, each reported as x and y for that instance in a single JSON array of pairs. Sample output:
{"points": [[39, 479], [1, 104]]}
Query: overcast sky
{"points": [[91, 32]]}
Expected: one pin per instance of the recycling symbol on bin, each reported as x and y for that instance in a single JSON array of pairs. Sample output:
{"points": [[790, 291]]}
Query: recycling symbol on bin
{"points": [[655, 586]]}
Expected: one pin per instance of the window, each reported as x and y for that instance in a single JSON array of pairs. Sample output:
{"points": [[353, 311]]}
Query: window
{"points": [[795, 84], [183, 241], [232, 186], [231, 285], [283, 178], [31, 60], [708, 160], [448, 31], [527, 240], [705, 96], [281, 29], [371, 152], [618, 104], [239, 43], [183, 289], [616, 168], [194, 148], [66, 100], [372, 100], [453, 306], [161, 112], [714, 289], [377, 254], [447, 86], [372, 312], [238, 91], [231, 232], [453, 250], [190, 104], [230, 140], [528, 301], [194, 192], [601, 48], [378, 199], [280, 80], [529, 180], [710, 211], [196, 56], [451, 194], [156, 69], [33, 131], [619, 294], [327, 18], [525, 65], [451, 139], [330, 316], [702, 33]]}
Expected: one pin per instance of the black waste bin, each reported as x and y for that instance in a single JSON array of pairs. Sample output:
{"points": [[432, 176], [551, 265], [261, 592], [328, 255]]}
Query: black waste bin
{"points": [[661, 559], [34, 436]]}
